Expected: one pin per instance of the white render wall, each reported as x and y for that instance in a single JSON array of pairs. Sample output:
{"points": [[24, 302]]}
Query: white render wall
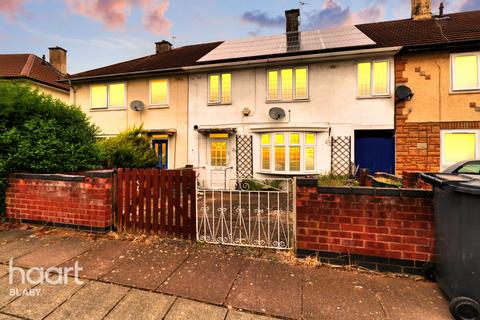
{"points": [[332, 103]]}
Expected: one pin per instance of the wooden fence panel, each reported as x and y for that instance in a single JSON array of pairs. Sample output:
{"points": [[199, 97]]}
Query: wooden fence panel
{"points": [[156, 201]]}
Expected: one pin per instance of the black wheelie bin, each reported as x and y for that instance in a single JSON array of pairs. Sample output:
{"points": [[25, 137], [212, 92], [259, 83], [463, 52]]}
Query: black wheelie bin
{"points": [[457, 224]]}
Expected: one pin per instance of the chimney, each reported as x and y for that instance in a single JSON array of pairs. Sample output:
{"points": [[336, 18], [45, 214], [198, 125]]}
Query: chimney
{"points": [[421, 9], [58, 58], [162, 46], [293, 36]]}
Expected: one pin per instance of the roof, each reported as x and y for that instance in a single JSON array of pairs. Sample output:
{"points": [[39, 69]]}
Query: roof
{"points": [[173, 59], [452, 28], [29, 66]]}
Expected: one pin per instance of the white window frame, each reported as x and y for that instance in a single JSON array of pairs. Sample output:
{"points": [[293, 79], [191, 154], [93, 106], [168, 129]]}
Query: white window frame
{"points": [[227, 158], [279, 84], [372, 79], [444, 165], [158, 105], [108, 96], [286, 144], [219, 102], [452, 70]]}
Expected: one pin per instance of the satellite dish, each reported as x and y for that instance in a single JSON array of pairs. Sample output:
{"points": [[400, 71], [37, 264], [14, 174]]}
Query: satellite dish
{"points": [[276, 113], [404, 93], [137, 105]]}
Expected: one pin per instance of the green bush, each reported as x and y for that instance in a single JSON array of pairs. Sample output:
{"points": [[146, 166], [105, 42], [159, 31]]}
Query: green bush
{"points": [[129, 149], [40, 134]]}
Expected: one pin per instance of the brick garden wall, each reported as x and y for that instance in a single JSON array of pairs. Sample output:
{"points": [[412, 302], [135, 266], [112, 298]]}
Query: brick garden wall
{"points": [[377, 228], [84, 202]]}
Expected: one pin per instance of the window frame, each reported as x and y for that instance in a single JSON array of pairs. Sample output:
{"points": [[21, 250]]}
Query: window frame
{"points": [[158, 105], [210, 140], [452, 71], [279, 84], [302, 144], [220, 93], [443, 164], [372, 79], [108, 84]]}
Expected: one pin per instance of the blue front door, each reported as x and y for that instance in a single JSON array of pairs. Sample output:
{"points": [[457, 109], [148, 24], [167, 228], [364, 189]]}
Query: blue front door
{"points": [[161, 149], [375, 150]]}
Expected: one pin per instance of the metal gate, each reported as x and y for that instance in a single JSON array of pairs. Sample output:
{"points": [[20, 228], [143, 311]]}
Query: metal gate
{"points": [[248, 212]]}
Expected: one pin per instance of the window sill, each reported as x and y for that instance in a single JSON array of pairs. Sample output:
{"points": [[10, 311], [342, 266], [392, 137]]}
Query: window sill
{"points": [[158, 106], [387, 96], [218, 104], [287, 101], [107, 109], [471, 91]]}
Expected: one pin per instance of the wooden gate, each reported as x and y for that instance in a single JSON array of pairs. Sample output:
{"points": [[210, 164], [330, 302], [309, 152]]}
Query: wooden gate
{"points": [[154, 201]]}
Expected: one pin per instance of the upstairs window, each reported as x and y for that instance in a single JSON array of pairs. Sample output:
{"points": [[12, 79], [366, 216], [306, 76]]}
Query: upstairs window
{"points": [[159, 92], [220, 88], [373, 79], [287, 84], [465, 71], [108, 96]]}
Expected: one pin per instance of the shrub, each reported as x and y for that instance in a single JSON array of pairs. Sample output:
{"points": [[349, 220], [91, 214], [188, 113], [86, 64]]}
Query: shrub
{"points": [[40, 134], [129, 149]]}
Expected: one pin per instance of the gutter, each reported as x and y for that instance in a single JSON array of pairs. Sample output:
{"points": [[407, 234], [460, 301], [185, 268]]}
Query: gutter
{"points": [[252, 62]]}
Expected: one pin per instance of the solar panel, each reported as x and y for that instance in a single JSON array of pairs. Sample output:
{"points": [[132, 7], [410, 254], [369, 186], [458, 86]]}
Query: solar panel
{"points": [[320, 39]]}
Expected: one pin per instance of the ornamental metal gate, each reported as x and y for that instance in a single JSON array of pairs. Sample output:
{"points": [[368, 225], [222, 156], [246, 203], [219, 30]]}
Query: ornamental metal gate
{"points": [[248, 212]]}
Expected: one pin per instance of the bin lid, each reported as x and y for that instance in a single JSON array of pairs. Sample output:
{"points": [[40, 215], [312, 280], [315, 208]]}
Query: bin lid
{"points": [[466, 183]]}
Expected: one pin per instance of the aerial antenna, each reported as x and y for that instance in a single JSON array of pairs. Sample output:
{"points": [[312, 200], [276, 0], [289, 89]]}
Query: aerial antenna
{"points": [[173, 39], [303, 3]]}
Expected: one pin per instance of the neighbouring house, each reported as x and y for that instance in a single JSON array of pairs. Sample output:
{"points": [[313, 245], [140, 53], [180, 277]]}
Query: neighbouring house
{"points": [[151, 91], [37, 72], [439, 63], [300, 103]]}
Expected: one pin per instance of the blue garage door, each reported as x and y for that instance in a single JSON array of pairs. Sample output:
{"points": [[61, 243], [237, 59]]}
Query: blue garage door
{"points": [[375, 150]]}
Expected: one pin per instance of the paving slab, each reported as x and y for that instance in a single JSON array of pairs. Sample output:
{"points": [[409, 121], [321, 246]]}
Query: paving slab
{"points": [[23, 246], [268, 287], [93, 301], [49, 297], [56, 253], [188, 309], [14, 234], [205, 277], [7, 317], [404, 299], [237, 315], [149, 267], [11, 291], [141, 305], [3, 270], [335, 294], [102, 257]]}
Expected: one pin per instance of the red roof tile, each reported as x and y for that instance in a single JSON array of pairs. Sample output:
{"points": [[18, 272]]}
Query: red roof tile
{"points": [[29, 66]]}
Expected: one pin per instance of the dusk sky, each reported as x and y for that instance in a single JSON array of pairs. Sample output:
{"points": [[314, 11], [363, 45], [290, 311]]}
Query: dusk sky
{"points": [[101, 32]]}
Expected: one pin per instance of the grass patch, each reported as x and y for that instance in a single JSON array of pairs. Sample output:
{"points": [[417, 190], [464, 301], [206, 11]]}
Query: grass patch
{"points": [[337, 181]]}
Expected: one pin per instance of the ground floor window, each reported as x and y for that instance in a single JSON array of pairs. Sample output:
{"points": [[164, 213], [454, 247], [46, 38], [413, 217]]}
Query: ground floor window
{"points": [[218, 149], [288, 152], [459, 145]]}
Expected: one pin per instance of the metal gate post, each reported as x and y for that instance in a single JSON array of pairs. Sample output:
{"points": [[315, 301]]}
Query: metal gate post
{"points": [[294, 210]]}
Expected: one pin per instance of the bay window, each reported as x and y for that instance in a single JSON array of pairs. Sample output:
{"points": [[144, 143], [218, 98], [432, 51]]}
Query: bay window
{"points": [[465, 71], [220, 88], [288, 152], [108, 96], [459, 145], [373, 79], [287, 84]]}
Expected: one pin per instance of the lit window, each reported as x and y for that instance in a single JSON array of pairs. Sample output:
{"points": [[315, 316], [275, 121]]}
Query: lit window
{"points": [[287, 84], [458, 146], [99, 96], [218, 149], [465, 72], [373, 78], [220, 88], [159, 92], [112, 95], [288, 152]]}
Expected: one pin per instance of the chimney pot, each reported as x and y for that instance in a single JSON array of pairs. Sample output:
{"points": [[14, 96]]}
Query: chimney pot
{"points": [[440, 10], [58, 58], [421, 9], [292, 26], [162, 46]]}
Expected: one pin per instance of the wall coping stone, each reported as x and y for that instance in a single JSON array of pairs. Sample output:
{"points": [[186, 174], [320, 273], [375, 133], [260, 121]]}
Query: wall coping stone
{"points": [[64, 177]]}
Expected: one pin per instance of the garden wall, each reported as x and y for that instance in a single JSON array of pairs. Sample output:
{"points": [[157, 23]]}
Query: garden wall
{"points": [[82, 202], [376, 228]]}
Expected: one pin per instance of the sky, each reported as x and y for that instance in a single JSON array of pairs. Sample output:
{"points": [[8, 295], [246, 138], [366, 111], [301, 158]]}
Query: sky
{"points": [[97, 33]]}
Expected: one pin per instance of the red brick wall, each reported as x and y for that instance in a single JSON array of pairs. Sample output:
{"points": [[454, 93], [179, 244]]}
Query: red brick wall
{"points": [[62, 200], [386, 223]]}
